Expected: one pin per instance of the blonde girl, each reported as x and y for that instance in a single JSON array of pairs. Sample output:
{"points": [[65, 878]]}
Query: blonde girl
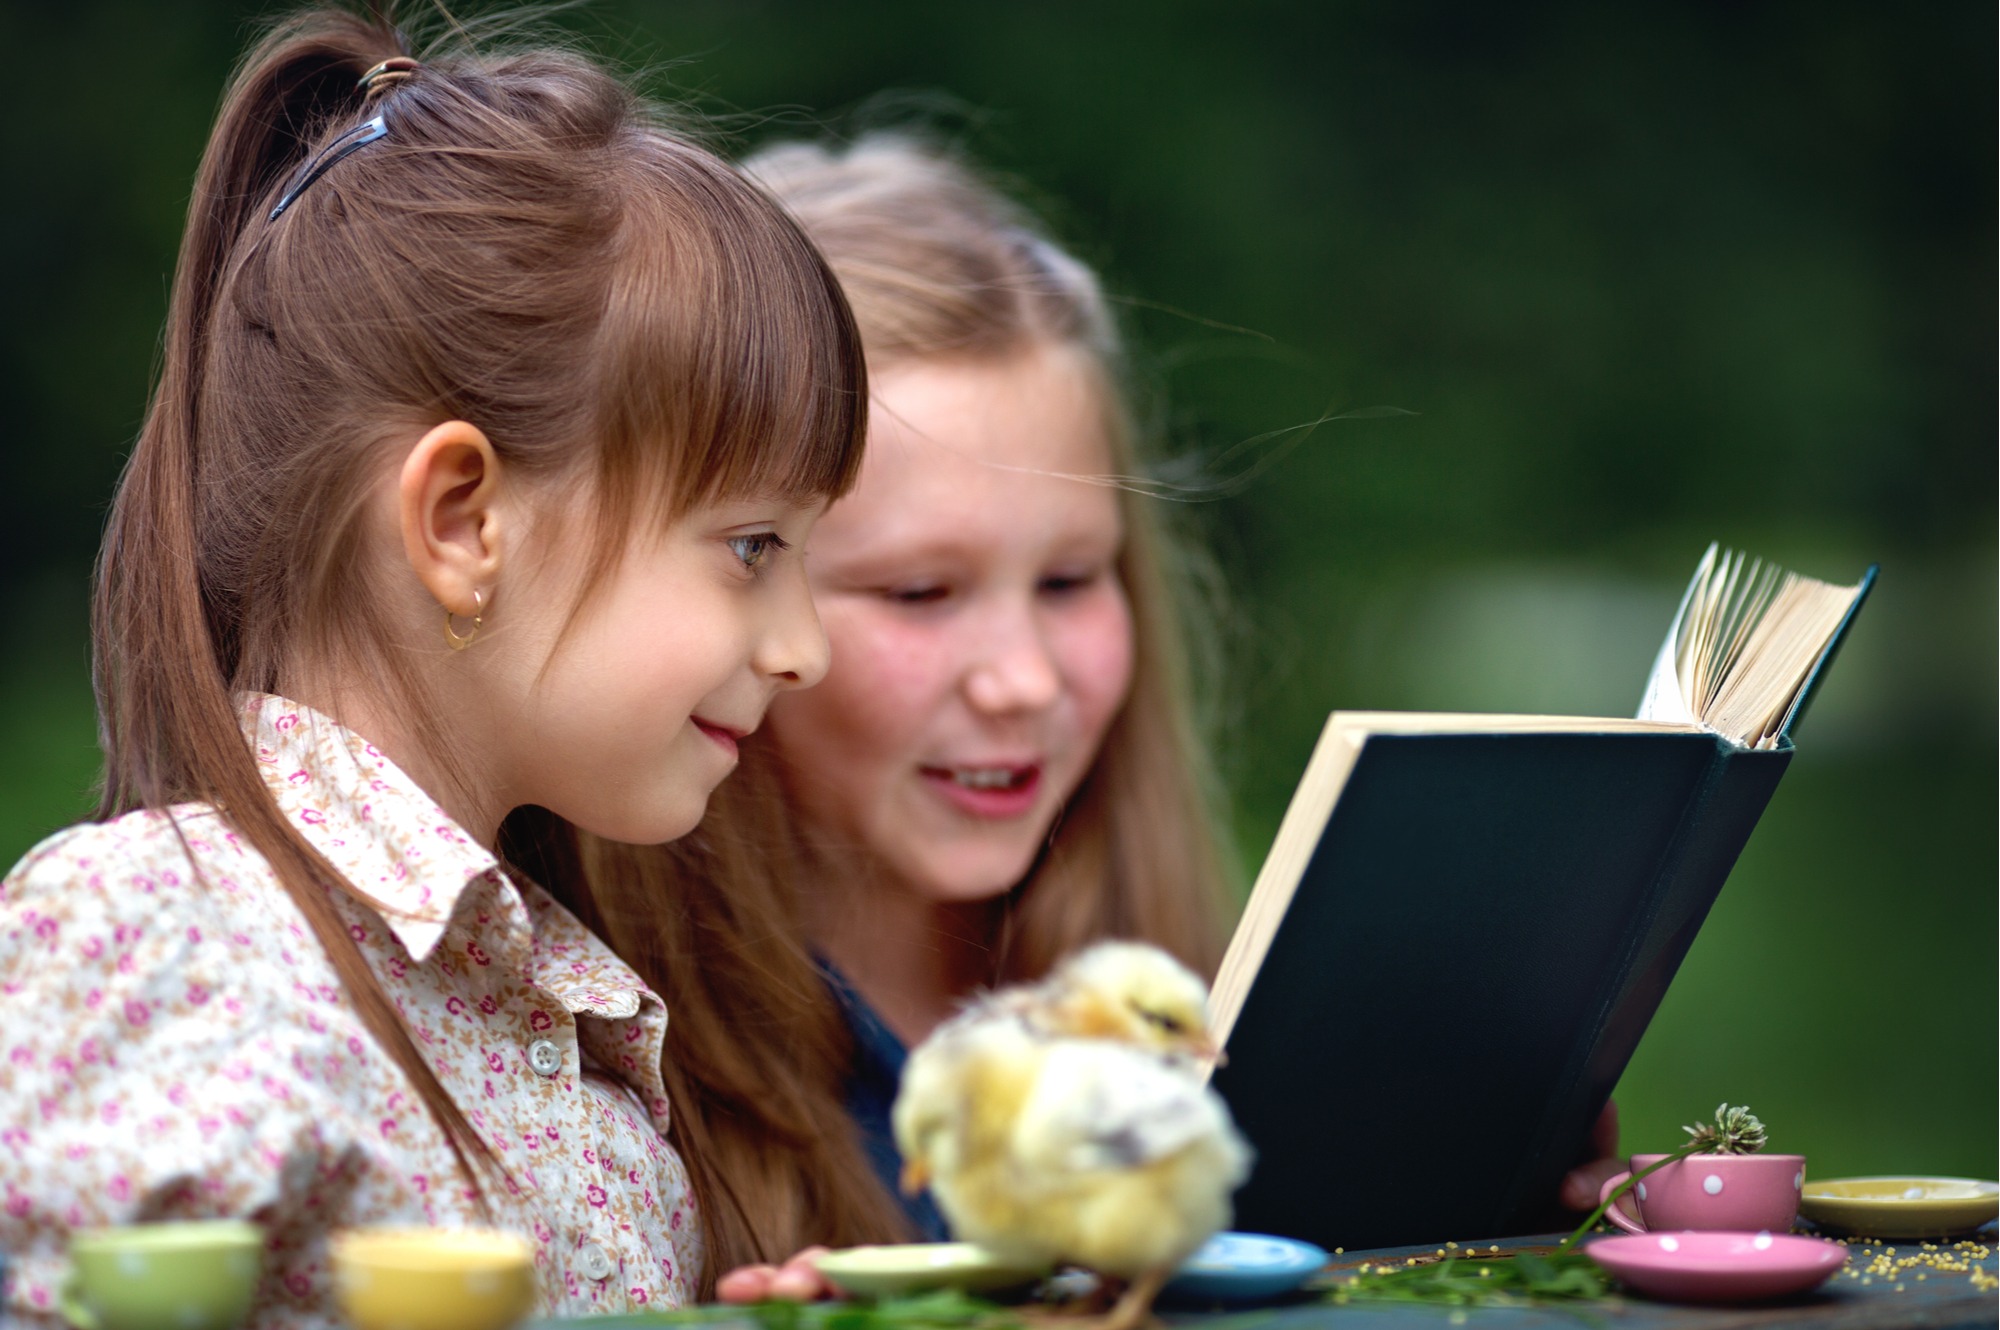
{"points": [[1003, 766], [491, 416]]}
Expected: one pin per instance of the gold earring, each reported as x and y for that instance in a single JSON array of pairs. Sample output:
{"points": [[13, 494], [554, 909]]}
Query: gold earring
{"points": [[457, 642]]}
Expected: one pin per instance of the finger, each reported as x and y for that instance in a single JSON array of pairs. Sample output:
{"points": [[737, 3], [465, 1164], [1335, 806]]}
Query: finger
{"points": [[1604, 1136], [750, 1283], [1580, 1187], [797, 1283], [807, 1259]]}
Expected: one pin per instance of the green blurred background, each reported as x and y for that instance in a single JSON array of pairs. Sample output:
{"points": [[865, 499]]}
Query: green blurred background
{"points": [[1648, 275]]}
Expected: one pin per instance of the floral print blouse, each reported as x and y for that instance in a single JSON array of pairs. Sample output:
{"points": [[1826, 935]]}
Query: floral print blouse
{"points": [[175, 1044]]}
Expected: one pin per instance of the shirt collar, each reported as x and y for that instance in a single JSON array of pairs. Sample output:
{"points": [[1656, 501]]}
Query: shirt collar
{"points": [[399, 851]]}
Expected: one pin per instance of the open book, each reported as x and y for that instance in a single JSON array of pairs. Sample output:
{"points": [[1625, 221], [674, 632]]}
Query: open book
{"points": [[1466, 922]]}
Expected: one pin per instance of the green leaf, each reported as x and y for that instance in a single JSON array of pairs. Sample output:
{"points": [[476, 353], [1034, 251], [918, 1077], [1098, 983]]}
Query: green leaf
{"points": [[1533, 1268]]}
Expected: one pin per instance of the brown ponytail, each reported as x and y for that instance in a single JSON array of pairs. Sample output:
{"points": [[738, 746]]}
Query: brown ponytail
{"points": [[528, 248], [166, 651]]}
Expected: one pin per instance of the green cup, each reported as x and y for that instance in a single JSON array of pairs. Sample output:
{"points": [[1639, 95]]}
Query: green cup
{"points": [[199, 1275]]}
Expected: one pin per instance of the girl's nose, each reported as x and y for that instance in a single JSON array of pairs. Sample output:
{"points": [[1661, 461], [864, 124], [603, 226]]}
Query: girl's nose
{"points": [[793, 650], [1017, 672]]}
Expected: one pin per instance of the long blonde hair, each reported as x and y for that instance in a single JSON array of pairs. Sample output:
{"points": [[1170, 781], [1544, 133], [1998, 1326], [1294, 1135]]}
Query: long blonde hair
{"points": [[934, 263], [528, 247]]}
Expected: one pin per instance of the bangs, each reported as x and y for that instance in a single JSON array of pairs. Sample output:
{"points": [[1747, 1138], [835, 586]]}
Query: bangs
{"points": [[729, 364]]}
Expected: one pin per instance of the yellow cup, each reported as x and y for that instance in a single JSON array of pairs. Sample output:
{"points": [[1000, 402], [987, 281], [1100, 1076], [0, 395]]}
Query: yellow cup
{"points": [[433, 1279]]}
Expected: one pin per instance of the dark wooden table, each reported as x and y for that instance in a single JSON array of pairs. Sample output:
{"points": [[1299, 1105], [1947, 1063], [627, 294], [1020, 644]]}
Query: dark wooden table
{"points": [[1863, 1296], [1854, 1299]]}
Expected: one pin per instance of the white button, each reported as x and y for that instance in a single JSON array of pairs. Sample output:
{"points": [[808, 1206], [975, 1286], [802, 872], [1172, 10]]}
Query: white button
{"points": [[594, 1261], [546, 1059]]}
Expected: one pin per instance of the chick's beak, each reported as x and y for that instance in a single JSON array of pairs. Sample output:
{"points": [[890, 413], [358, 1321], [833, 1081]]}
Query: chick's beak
{"points": [[1207, 1050], [916, 1177]]}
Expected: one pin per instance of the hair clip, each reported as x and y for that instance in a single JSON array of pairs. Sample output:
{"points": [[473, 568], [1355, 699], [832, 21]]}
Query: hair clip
{"points": [[360, 136], [393, 70]]}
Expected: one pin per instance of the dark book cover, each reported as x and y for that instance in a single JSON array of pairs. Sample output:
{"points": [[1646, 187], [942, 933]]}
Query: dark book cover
{"points": [[1487, 924]]}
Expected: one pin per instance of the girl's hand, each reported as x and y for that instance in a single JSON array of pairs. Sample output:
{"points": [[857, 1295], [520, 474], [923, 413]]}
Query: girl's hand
{"points": [[1581, 1185], [794, 1281]]}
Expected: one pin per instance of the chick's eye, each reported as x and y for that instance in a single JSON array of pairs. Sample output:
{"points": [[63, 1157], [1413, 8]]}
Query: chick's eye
{"points": [[1169, 1024], [753, 549]]}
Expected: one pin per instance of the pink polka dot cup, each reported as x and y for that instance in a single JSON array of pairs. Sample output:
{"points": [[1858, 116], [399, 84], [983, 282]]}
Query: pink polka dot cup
{"points": [[1710, 1193]]}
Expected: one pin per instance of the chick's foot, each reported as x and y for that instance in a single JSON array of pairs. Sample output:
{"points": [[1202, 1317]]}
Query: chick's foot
{"points": [[1135, 1306]]}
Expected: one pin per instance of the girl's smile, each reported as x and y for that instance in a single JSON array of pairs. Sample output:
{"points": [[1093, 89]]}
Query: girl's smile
{"points": [[724, 736], [994, 789]]}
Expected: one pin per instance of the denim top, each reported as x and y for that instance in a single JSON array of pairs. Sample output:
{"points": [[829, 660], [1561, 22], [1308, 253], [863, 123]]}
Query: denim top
{"points": [[871, 1091]]}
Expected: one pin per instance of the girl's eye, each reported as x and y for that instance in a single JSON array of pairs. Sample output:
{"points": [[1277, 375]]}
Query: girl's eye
{"points": [[1059, 584], [753, 549], [928, 593]]}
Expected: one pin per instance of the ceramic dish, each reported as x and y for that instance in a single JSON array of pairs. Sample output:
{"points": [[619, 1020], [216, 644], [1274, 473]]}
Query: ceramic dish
{"points": [[1718, 1267], [433, 1279], [1901, 1207], [185, 1275], [1245, 1267], [914, 1267]]}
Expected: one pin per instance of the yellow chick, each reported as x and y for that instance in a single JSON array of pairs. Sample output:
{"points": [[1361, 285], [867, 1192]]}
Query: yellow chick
{"points": [[1068, 1121]]}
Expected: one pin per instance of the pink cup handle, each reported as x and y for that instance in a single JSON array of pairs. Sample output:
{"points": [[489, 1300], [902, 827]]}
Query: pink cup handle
{"points": [[1616, 1214]]}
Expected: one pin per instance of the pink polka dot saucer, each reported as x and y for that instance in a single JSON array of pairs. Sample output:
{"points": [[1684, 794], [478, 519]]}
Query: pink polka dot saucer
{"points": [[1718, 1267]]}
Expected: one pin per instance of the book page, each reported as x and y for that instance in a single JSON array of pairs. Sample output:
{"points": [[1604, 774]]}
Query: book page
{"points": [[1665, 699], [1747, 641]]}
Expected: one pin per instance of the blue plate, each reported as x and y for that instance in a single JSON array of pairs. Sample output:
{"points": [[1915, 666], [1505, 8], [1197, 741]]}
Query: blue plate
{"points": [[1245, 1267]]}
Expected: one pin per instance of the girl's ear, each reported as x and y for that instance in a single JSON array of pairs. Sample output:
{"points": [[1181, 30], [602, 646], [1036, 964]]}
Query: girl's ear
{"points": [[448, 503]]}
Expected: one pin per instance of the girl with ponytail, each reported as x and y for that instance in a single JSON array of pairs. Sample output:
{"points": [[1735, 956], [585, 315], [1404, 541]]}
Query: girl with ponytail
{"points": [[491, 416]]}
